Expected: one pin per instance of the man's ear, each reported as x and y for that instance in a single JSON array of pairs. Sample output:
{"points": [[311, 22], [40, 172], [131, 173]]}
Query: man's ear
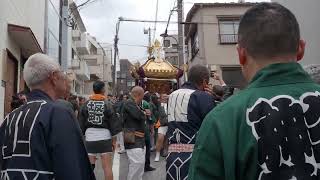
{"points": [[53, 78], [242, 54], [301, 50]]}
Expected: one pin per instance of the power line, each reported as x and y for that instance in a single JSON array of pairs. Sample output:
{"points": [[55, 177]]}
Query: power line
{"points": [[85, 3], [124, 44], [161, 21], [134, 45]]}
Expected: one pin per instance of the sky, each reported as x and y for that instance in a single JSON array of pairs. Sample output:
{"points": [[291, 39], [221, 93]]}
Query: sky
{"points": [[100, 18]]}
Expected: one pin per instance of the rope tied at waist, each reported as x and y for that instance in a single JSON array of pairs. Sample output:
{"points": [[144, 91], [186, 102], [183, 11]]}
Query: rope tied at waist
{"points": [[181, 147], [139, 134]]}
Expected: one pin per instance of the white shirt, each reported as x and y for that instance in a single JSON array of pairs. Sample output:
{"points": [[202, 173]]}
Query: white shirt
{"points": [[165, 107], [97, 134]]}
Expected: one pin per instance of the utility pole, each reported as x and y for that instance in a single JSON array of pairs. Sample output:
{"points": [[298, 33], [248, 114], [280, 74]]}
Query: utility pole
{"points": [[148, 31], [181, 46], [116, 40], [149, 36], [149, 48]]}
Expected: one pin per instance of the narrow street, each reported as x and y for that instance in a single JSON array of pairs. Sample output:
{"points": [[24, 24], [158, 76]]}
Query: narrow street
{"points": [[120, 168]]}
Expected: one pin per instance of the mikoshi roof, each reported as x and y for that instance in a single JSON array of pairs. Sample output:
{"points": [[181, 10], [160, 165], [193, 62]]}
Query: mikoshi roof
{"points": [[157, 66], [159, 69]]}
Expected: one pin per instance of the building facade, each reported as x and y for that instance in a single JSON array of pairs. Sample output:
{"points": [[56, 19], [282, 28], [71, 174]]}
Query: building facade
{"points": [[212, 38], [308, 15], [27, 27], [88, 60], [99, 65], [125, 81], [78, 70], [171, 52]]}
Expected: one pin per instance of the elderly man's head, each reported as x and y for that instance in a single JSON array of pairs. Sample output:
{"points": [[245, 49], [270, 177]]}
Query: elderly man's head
{"points": [[137, 93], [199, 75], [42, 72], [268, 33]]}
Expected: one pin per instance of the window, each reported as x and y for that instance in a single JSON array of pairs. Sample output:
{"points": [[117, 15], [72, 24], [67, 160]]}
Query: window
{"points": [[166, 43], [91, 62], [174, 46], [77, 88], [53, 47], [233, 77], [54, 29], [173, 60], [194, 44], [130, 83], [73, 53], [123, 75], [228, 31]]}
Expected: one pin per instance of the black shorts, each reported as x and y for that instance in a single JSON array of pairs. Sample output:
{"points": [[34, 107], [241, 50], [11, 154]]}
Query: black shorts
{"points": [[99, 147]]}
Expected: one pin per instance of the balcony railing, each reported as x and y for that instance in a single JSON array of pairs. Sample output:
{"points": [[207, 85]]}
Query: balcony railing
{"points": [[81, 69], [228, 38], [80, 42]]}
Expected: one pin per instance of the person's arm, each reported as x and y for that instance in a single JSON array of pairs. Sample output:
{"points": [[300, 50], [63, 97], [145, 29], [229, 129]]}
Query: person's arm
{"points": [[133, 111], [66, 148], [163, 117], [218, 78], [83, 116], [204, 102], [113, 120], [225, 149], [207, 156]]}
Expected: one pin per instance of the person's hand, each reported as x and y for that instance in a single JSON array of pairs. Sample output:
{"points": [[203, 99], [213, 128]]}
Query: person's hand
{"points": [[209, 91], [216, 76], [148, 112]]}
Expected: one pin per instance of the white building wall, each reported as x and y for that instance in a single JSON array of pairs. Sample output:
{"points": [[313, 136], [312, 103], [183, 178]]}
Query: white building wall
{"points": [[210, 49], [216, 53], [307, 13], [24, 13]]}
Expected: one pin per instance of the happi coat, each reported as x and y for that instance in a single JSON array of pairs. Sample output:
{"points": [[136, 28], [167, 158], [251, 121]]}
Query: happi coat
{"points": [[269, 131], [187, 107], [42, 140]]}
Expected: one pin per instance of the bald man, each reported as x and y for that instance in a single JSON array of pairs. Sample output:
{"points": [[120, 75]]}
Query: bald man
{"points": [[134, 125]]}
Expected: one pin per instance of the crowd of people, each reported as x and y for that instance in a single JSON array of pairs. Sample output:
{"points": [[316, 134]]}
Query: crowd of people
{"points": [[269, 130]]}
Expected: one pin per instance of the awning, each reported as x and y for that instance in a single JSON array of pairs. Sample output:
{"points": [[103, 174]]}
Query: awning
{"points": [[25, 39]]}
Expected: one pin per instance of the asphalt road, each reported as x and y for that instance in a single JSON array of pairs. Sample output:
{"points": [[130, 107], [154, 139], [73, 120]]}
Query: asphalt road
{"points": [[120, 168]]}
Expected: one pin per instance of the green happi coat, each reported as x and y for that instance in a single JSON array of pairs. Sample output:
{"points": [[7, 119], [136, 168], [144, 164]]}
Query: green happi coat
{"points": [[268, 131]]}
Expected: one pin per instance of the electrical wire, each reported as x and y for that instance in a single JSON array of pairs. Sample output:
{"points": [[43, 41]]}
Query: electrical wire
{"points": [[85, 3], [161, 21], [169, 18], [134, 45]]}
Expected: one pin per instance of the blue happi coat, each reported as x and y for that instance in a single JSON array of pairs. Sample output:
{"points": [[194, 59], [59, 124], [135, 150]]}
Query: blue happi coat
{"points": [[42, 141], [187, 107]]}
